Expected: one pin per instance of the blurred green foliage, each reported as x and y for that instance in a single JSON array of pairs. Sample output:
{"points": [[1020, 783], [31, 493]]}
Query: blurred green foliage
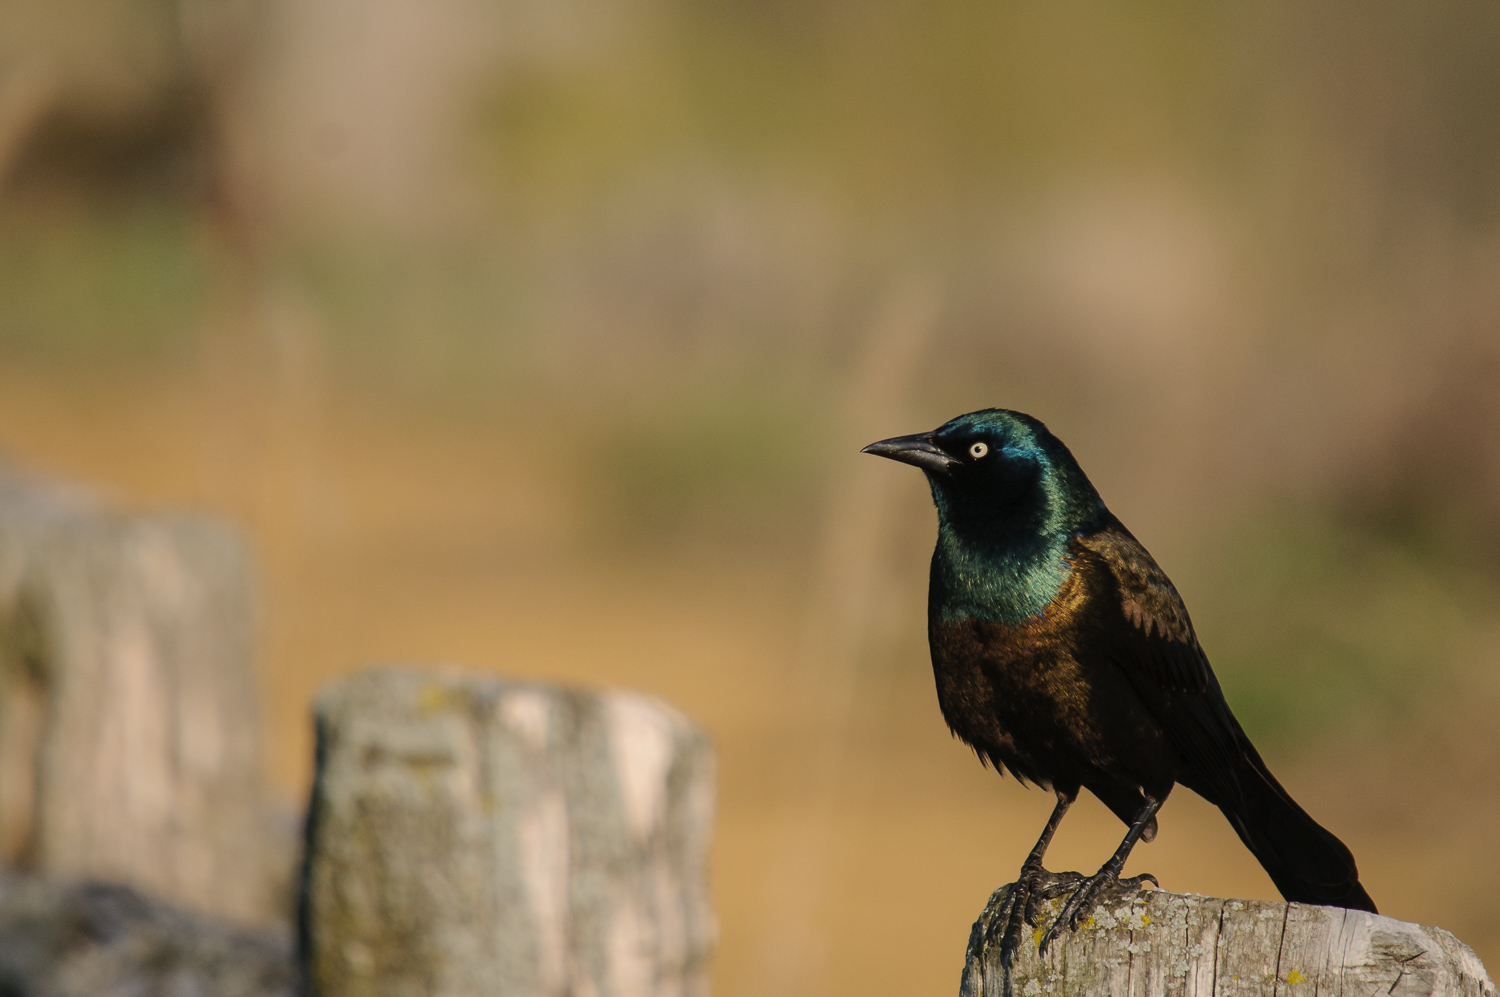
{"points": [[724, 470], [1320, 628], [902, 115], [439, 323], [110, 286], [910, 114]]}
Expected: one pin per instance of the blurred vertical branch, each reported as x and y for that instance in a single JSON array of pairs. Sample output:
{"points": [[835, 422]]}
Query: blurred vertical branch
{"points": [[27, 90], [857, 526], [261, 366], [854, 546]]}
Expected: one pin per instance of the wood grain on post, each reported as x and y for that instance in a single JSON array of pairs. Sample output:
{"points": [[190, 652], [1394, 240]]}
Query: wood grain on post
{"points": [[474, 836], [129, 738], [1155, 943]]}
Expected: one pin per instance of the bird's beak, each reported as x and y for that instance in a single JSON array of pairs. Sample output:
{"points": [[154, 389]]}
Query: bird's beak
{"points": [[918, 450]]}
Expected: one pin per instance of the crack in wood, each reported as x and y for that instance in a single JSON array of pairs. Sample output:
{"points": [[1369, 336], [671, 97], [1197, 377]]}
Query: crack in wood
{"points": [[1280, 948], [1344, 955], [1213, 990]]}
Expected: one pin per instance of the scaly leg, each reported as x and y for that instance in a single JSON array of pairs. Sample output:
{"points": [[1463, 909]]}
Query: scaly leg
{"points": [[1008, 923], [1108, 875]]}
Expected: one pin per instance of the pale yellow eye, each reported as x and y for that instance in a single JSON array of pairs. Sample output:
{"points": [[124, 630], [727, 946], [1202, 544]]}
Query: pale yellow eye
{"points": [[978, 450]]}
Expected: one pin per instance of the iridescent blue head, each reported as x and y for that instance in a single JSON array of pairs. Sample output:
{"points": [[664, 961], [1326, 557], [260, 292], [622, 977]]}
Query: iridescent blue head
{"points": [[1010, 497]]}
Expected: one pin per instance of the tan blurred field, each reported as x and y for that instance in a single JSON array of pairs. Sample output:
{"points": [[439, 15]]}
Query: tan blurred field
{"points": [[540, 338]]}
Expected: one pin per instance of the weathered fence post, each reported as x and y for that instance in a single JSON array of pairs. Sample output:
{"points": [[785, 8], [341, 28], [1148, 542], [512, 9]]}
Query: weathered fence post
{"points": [[1154, 943], [65, 939], [129, 739], [472, 836]]}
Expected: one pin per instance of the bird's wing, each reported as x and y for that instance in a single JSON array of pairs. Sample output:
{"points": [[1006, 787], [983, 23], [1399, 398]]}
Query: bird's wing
{"points": [[1157, 638], [1141, 625], [1150, 636]]}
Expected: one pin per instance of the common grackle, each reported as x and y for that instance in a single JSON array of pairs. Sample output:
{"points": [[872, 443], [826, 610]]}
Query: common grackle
{"points": [[1063, 653]]}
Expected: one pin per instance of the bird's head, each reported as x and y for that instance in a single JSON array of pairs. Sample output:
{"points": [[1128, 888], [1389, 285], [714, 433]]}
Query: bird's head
{"points": [[999, 475]]}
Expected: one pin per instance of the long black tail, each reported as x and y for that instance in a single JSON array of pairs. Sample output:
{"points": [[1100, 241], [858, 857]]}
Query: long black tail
{"points": [[1306, 862]]}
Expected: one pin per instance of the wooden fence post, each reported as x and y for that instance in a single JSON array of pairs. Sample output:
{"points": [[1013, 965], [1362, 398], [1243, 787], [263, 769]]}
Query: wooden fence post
{"points": [[129, 737], [1154, 943], [63, 939], [473, 836]]}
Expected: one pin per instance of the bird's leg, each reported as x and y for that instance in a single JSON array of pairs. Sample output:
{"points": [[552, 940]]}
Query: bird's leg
{"points": [[1108, 875], [1008, 923]]}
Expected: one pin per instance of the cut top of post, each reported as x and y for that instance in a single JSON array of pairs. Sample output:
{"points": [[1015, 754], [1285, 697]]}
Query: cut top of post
{"points": [[1156, 944]]}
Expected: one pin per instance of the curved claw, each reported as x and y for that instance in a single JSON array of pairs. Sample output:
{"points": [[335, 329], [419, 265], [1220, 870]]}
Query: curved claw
{"points": [[1000, 926], [1005, 924], [1073, 911], [1057, 884], [1055, 930], [1008, 919], [1065, 916]]}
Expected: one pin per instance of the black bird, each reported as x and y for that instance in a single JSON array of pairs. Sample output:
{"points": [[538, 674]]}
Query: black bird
{"points": [[1063, 653]]}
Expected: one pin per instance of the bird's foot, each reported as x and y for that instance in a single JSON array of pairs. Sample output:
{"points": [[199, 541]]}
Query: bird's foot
{"points": [[1104, 883], [1008, 918]]}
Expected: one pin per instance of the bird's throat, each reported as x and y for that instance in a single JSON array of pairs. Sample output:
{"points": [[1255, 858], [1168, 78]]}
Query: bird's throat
{"points": [[1008, 584]]}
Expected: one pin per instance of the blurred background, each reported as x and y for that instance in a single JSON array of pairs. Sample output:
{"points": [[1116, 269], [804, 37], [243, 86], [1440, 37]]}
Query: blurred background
{"points": [[539, 337]]}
